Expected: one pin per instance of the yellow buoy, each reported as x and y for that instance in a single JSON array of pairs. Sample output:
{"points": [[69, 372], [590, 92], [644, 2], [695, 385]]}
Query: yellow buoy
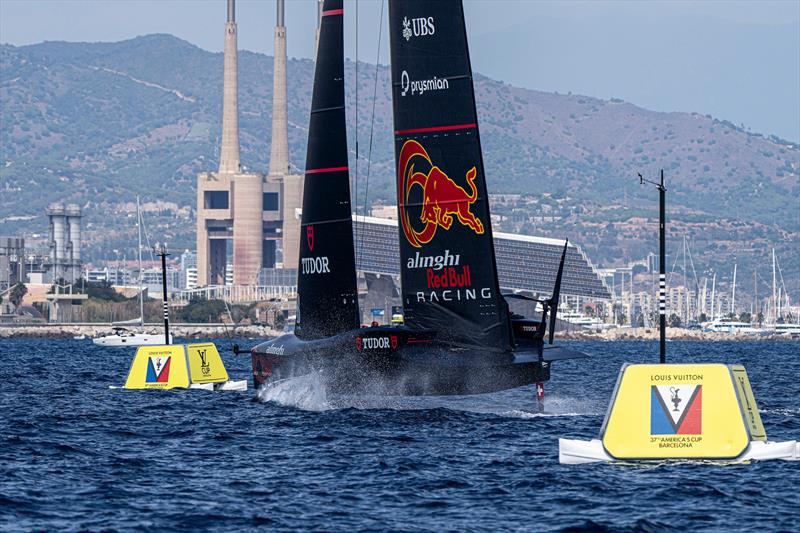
{"points": [[690, 411], [205, 364], [158, 367], [180, 366]]}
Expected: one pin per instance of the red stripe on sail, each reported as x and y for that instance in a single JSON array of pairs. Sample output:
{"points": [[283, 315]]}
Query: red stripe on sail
{"points": [[321, 170], [437, 128], [332, 12]]}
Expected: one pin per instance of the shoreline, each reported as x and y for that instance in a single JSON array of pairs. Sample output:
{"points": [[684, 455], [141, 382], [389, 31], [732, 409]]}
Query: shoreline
{"points": [[673, 334], [182, 331], [224, 331]]}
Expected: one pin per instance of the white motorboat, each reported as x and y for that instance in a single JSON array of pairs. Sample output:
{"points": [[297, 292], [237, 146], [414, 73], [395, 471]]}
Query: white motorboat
{"points": [[733, 327], [577, 318], [792, 330], [124, 337]]}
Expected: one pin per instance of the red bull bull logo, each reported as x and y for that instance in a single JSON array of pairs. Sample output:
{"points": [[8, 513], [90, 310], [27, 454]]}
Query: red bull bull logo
{"points": [[442, 200]]}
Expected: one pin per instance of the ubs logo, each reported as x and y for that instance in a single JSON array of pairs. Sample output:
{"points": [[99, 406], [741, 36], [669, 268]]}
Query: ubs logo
{"points": [[418, 27]]}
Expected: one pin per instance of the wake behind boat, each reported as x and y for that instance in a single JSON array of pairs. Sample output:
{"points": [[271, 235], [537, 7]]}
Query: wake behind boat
{"points": [[459, 335]]}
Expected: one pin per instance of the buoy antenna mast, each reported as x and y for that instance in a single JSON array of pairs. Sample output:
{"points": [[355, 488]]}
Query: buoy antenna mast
{"points": [[161, 250], [662, 261]]}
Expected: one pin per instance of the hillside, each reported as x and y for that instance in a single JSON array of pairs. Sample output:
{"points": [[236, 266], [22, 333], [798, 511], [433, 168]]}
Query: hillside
{"points": [[98, 123]]}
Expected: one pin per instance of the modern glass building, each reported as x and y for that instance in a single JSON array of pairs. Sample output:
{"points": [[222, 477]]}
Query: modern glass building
{"points": [[524, 263]]}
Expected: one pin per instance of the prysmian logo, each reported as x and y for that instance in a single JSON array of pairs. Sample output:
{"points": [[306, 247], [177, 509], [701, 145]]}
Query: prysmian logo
{"points": [[421, 86], [418, 27]]}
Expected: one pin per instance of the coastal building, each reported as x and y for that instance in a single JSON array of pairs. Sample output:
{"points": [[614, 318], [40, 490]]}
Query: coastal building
{"points": [[188, 269]]}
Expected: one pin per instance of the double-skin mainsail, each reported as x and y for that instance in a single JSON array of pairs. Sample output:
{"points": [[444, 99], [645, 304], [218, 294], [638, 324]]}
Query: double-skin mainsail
{"points": [[327, 291], [448, 267]]}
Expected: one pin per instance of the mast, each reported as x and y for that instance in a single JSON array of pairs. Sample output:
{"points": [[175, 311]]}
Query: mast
{"points": [[662, 264], [327, 302], [703, 292], [733, 293], [448, 267], [139, 226], [756, 303], [713, 302], [685, 285], [774, 292]]}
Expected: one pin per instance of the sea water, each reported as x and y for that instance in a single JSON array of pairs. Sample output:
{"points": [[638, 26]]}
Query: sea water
{"points": [[76, 455]]}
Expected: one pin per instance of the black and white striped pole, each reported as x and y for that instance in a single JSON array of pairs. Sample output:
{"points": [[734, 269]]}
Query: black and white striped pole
{"points": [[662, 261], [162, 251]]}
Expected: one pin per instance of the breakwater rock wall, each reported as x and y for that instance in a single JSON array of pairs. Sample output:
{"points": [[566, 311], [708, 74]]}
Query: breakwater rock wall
{"points": [[651, 334], [222, 331], [179, 331]]}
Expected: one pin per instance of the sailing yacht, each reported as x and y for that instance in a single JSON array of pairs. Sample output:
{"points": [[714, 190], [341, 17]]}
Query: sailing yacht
{"points": [[120, 335], [458, 336]]}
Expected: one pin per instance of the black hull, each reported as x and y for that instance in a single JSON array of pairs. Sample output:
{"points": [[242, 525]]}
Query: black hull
{"points": [[400, 361]]}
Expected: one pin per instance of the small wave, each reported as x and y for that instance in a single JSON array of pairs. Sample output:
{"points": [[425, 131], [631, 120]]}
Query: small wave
{"points": [[518, 413], [786, 411]]}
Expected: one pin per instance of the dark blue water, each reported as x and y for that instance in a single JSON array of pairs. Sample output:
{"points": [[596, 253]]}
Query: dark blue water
{"points": [[77, 455]]}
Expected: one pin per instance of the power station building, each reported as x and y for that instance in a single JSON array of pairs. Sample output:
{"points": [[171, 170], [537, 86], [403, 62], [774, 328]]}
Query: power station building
{"points": [[247, 209]]}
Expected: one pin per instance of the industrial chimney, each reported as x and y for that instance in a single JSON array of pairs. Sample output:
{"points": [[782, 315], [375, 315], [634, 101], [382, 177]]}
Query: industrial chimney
{"points": [[279, 150], [229, 153]]}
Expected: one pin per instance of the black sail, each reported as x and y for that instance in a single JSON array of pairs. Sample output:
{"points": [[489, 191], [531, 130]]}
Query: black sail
{"points": [[327, 293], [448, 267]]}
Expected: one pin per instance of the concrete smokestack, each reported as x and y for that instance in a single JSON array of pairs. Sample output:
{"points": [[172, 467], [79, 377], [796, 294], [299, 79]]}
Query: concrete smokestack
{"points": [[229, 152], [58, 237], [73, 212], [279, 149], [58, 231]]}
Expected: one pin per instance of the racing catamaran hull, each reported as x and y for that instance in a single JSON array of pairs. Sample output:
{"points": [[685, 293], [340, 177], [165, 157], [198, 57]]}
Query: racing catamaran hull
{"points": [[400, 361]]}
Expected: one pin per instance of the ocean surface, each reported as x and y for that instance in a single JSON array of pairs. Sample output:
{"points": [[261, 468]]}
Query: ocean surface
{"points": [[76, 455]]}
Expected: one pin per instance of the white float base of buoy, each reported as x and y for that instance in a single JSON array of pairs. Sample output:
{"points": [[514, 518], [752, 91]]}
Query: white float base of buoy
{"points": [[240, 385], [576, 452]]}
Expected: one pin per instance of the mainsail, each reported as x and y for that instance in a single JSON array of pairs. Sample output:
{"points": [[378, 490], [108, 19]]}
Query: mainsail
{"points": [[448, 267], [327, 294]]}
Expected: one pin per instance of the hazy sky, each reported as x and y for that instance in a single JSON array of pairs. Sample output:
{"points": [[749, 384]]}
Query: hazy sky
{"points": [[735, 60]]}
